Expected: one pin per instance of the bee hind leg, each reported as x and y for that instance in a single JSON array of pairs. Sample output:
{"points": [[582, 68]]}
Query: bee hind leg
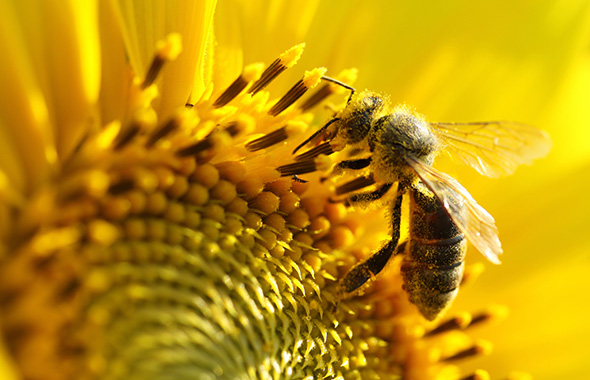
{"points": [[364, 271]]}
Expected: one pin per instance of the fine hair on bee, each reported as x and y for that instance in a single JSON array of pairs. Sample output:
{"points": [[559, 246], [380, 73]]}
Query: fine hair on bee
{"points": [[397, 150]]}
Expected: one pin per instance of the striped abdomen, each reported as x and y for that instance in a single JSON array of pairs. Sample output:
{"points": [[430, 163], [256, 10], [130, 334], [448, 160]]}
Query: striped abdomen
{"points": [[433, 262]]}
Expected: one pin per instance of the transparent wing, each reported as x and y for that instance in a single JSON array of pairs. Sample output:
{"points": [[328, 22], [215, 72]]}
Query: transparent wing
{"points": [[493, 148], [475, 222]]}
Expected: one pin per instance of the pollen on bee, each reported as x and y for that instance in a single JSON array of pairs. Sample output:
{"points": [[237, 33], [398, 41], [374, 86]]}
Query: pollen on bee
{"points": [[285, 60]]}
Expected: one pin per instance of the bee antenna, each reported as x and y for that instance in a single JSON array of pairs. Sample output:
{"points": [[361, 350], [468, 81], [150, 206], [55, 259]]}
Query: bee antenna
{"points": [[346, 86]]}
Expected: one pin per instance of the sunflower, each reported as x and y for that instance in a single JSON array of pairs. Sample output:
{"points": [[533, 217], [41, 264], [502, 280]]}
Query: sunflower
{"points": [[145, 232]]}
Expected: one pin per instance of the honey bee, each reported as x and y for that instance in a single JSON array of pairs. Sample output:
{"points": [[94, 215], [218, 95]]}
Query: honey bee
{"points": [[399, 147]]}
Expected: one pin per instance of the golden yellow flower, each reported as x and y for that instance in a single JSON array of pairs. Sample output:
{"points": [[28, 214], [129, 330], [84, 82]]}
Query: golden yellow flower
{"points": [[145, 233]]}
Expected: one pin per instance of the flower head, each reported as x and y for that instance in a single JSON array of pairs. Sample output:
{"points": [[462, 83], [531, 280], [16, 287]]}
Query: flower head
{"points": [[145, 231]]}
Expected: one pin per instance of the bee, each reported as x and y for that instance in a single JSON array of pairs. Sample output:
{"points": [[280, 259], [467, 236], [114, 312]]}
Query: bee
{"points": [[399, 147]]}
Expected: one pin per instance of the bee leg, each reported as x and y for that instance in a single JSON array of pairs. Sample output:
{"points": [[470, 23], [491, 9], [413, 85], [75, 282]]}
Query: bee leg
{"points": [[357, 164], [371, 196], [364, 271], [316, 134], [360, 198]]}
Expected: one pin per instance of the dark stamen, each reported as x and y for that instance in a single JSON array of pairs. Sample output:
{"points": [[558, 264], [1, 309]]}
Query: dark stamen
{"points": [[267, 140], [234, 128], [317, 97], [195, 148], [231, 92], [268, 75], [121, 186], [68, 290], [153, 71], [167, 50], [160, 133], [324, 148], [286, 60], [479, 348], [458, 323], [125, 136], [296, 168], [289, 98], [480, 318]]}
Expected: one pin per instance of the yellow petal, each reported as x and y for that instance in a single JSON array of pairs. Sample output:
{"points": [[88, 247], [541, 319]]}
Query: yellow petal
{"points": [[116, 75], [26, 138], [62, 42]]}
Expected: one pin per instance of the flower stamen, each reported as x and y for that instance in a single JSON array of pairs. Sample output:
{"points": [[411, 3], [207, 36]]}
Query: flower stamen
{"points": [[285, 60], [322, 162], [141, 122], [275, 137], [163, 131], [459, 322], [250, 73], [324, 148], [213, 140], [310, 80], [267, 140], [480, 347], [166, 51], [317, 97]]}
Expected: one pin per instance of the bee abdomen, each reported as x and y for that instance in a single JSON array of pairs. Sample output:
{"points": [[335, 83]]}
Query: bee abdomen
{"points": [[432, 272]]}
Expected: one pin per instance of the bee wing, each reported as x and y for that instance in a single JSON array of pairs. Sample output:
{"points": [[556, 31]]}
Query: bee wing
{"points": [[475, 222], [493, 148]]}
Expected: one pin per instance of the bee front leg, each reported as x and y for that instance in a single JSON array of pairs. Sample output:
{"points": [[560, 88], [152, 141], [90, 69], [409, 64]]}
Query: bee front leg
{"points": [[316, 134], [366, 270]]}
